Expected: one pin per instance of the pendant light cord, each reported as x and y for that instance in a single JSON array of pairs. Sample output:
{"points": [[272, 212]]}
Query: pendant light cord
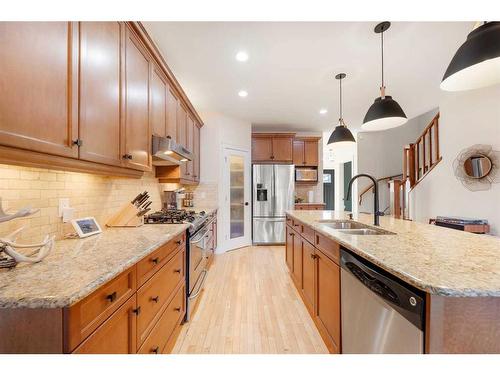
{"points": [[340, 98], [382, 45]]}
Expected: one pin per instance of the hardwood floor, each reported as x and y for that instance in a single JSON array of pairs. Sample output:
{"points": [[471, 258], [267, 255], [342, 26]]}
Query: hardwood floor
{"points": [[250, 305]]}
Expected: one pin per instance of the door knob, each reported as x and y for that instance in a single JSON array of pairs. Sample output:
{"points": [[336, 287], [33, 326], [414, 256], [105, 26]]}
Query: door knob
{"points": [[246, 203]]}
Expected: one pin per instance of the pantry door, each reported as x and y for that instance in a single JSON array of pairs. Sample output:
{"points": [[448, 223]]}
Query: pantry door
{"points": [[236, 200]]}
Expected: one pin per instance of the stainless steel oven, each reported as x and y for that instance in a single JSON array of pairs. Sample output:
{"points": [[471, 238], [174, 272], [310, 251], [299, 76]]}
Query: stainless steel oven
{"points": [[199, 246]]}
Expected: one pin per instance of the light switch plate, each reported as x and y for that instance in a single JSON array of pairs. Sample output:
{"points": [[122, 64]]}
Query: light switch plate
{"points": [[63, 203]]}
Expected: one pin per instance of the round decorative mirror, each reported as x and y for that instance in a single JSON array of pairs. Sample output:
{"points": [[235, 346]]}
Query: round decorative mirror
{"points": [[477, 166]]}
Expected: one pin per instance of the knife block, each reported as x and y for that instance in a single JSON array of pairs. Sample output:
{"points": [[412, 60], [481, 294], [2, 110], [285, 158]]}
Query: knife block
{"points": [[126, 217]]}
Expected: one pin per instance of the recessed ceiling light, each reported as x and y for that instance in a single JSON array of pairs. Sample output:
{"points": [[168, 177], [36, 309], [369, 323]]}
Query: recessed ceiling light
{"points": [[242, 56], [243, 93], [323, 111]]}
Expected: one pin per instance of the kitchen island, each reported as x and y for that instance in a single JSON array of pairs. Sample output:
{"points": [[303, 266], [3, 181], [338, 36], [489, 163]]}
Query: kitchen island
{"points": [[459, 273]]}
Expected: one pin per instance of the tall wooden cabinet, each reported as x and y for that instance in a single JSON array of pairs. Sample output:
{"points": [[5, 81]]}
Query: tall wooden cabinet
{"points": [[100, 126], [137, 126], [39, 86]]}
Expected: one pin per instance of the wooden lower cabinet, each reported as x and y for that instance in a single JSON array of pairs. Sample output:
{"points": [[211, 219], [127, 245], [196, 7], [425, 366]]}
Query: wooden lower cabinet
{"points": [[308, 271], [297, 260], [164, 328], [117, 335], [290, 233], [317, 277], [327, 307]]}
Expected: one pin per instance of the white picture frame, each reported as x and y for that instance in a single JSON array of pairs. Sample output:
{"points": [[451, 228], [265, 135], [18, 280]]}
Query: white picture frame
{"points": [[86, 226]]}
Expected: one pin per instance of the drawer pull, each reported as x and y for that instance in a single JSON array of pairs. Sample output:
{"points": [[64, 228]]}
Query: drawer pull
{"points": [[178, 242], [155, 299], [178, 309], [155, 350], [155, 260], [137, 311], [314, 256], [178, 270], [111, 297]]}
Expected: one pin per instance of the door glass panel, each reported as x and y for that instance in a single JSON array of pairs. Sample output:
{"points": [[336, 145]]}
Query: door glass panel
{"points": [[237, 197]]}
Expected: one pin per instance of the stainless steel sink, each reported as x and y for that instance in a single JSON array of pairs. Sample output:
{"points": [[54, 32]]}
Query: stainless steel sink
{"points": [[343, 224], [365, 232]]}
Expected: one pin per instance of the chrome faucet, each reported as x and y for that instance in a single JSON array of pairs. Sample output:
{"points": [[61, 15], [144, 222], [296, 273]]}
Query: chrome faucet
{"points": [[376, 212]]}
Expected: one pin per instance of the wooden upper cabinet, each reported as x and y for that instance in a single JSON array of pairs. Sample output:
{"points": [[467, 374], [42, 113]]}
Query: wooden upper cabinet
{"points": [[262, 149], [189, 145], [298, 152], [272, 147], [137, 126], [172, 107], [196, 151], [159, 90], [305, 152], [39, 86], [100, 69], [283, 149], [327, 309]]}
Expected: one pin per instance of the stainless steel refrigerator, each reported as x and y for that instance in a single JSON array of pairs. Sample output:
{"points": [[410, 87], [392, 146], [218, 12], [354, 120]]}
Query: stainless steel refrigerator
{"points": [[273, 194]]}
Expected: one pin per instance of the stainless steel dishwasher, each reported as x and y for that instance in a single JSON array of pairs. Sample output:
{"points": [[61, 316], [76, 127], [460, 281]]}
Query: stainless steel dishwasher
{"points": [[380, 313]]}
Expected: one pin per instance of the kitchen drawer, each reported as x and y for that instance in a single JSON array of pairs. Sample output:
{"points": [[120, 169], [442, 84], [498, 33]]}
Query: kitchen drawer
{"points": [[329, 247], [148, 266], [116, 335], [155, 294], [163, 329], [296, 225], [82, 318], [308, 233]]}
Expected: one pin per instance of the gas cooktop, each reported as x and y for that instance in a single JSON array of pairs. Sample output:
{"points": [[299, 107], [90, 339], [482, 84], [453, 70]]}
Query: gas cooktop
{"points": [[196, 219]]}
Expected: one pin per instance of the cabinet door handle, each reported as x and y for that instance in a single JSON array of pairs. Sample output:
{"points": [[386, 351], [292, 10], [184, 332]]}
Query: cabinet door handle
{"points": [[177, 270], [314, 256], [291, 234], [178, 242], [155, 350], [178, 309], [137, 311], [127, 156], [155, 260], [155, 299], [111, 297]]}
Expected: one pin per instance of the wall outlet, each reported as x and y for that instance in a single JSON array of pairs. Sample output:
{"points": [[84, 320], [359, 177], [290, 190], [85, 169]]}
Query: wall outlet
{"points": [[63, 203]]}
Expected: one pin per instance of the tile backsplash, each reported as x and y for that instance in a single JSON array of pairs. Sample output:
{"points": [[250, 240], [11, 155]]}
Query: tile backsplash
{"points": [[89, 195]]}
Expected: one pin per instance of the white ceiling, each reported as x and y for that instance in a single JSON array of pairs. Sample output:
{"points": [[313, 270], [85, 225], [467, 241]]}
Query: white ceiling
{"points": [[290, 73]]}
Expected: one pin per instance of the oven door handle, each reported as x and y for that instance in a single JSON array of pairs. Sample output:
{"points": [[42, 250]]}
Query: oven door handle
{"points": [[202, 282], [200, 239]]}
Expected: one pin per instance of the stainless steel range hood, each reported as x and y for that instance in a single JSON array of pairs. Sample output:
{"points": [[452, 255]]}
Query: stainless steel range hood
{"points": [[167, 152]]}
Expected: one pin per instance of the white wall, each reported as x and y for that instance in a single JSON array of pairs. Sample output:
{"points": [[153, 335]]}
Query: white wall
{"points": [[466, 118], [335, 160], [380, 154], [219, 131]]}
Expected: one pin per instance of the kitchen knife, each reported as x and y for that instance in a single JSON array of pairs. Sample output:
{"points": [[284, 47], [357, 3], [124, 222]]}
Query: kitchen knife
{"points": [[136, 199], [142, 200], [143, 212], [146, 205]]}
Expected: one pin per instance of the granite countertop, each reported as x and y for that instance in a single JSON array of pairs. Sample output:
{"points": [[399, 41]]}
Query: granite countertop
{"points": [[434, 259], [77, 267]]}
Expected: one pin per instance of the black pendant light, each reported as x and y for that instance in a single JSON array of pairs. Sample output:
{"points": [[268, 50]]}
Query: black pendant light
{"points": [[341, 137], [476, 63], [385, 112]]}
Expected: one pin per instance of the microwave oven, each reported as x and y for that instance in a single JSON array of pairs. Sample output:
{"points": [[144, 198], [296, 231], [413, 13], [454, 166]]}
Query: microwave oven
{"points": [[306, 175]]}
